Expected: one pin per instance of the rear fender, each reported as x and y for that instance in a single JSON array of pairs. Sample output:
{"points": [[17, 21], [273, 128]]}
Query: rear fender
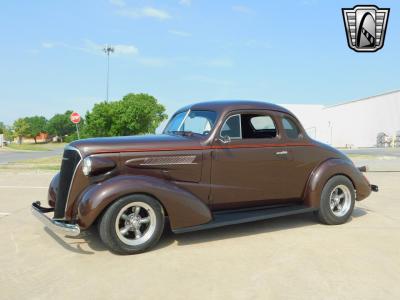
{"points": [[182, 207], [328, 169]]}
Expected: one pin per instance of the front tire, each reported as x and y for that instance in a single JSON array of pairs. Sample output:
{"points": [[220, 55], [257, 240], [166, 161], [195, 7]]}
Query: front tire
{"points": [[132, 224], [337, 201]]}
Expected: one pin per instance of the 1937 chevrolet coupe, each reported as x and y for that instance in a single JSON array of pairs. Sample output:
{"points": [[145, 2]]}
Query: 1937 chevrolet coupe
{"points": [[216, 163]]}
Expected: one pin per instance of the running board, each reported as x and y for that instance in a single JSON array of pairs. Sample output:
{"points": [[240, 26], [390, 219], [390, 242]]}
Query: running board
{"points": [[244, 216]]}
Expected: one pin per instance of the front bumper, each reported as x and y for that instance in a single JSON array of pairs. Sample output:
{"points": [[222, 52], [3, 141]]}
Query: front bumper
{"points": [[54, 225]]}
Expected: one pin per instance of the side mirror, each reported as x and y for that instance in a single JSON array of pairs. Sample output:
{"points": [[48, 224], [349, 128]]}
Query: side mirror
{"points": [[225, 139]]}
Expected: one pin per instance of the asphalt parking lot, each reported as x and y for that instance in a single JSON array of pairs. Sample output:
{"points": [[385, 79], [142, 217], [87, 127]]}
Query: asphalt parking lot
{"points": [[14, 156], [374, 151], [286, 258]]}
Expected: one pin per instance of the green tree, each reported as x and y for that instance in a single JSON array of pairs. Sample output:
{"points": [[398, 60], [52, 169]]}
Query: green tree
{"points": [[37, 125], [21, 129], [61, 125], [134, 114], [8, 133], [2, 127], [99, 121]]}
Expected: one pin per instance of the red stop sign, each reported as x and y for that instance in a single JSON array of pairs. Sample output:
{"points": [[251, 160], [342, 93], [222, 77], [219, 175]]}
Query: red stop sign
{"points": [[75, 118]]}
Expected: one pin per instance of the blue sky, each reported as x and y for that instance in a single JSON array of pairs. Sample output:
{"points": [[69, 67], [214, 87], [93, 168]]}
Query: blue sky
{"points": [[183, 51]]}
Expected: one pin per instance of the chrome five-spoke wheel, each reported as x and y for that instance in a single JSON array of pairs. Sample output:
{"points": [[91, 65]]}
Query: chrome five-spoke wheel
{"points": [[132, 224], [340, 200], [337, 200], [135, 223]]}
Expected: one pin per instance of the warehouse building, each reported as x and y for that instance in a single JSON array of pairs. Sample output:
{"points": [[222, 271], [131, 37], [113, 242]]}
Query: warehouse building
{"points": [[355, 123]]}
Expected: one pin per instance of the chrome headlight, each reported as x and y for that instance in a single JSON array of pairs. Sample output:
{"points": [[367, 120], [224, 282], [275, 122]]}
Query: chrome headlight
{"points": [[87, 166], [94, 165]]}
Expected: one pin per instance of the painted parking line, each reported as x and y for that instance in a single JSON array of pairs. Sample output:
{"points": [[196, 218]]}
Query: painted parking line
{"points": [[22, 187]]}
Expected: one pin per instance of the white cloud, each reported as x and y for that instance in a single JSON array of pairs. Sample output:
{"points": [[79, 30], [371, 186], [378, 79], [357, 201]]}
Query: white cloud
{"points": [[119, 49], [185, 2], [242, 9], [94, 48], [48, 45], [149, 12], [90, 46], [155, 13], [179, 33], [130, 13], [119, 3], [126, 49]]}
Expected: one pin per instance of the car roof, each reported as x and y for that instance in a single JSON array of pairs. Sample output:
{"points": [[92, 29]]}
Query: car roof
{"points": [[223, 106]]}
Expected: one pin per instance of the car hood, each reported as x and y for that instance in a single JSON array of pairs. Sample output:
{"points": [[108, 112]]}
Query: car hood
{"points": [[140, 143]]}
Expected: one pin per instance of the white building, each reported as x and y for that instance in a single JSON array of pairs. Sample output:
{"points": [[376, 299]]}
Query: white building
{"points": [[351, 124]]}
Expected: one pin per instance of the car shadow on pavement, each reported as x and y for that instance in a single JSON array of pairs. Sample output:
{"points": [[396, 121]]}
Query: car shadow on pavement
{"points": [[260, 227], [90, 239], [359, 212], [245, 229]]}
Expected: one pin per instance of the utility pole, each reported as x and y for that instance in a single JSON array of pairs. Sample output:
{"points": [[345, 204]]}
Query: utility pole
{"points": [[107, 50]]}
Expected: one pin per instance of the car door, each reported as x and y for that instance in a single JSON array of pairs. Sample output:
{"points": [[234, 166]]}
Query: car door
{"points": [[249, 161], [302, 156]]}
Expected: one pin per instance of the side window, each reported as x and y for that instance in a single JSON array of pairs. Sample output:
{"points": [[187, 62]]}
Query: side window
{"points": [[232, 128], [256, 126], [291, 129], [262, 123]]}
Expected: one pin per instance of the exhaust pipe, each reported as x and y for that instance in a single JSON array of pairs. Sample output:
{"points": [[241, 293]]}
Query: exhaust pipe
{"points": [[374, 188]]}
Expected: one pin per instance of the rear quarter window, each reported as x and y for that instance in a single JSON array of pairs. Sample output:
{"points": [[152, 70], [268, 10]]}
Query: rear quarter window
{"points": [[291, 129]]}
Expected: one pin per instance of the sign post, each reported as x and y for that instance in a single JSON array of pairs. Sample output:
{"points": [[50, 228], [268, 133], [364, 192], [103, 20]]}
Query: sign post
{"points": [[75, 118]]}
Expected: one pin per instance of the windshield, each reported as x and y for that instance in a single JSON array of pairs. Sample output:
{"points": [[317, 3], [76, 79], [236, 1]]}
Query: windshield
{"points": [[195, 121]]}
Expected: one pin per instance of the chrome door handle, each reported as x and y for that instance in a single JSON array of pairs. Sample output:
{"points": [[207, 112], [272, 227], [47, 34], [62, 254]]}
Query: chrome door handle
{"points": [[281, 153]]}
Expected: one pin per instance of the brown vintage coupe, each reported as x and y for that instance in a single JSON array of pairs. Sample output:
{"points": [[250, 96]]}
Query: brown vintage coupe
{"points": [[216, 163]]}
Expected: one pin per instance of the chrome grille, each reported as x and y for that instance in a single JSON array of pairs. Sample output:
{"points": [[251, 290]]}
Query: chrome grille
{"points": [[71, 158]]}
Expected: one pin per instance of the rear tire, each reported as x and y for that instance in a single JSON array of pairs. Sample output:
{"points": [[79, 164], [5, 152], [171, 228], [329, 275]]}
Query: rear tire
{"points": [[132, 224], [337, 201]]}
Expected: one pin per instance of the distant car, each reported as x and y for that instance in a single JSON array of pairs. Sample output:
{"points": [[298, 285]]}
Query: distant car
{"points": [[216, 163]]}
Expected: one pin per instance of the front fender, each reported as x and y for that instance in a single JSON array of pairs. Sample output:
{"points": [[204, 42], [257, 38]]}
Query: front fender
{"points": [[328, 169], [182, 207], [52, 192]]}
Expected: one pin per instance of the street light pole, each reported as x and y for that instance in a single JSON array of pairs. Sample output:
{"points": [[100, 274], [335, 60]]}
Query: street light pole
{"points": [[107, 50]]}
